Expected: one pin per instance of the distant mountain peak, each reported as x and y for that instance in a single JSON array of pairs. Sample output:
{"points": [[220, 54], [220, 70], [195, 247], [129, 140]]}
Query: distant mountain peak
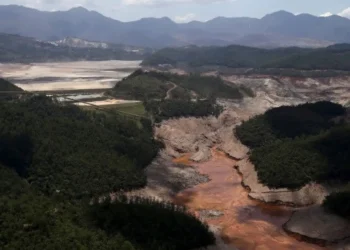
{"points": [[279, 14], [278, 29], [79, 9]]}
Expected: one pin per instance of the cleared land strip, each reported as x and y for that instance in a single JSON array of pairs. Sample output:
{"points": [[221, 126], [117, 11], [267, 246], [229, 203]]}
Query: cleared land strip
{"points": [[133, 116]]}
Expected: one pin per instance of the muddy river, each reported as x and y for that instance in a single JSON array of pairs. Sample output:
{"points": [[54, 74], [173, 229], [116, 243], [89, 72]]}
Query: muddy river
{"points": [[245, 223]]}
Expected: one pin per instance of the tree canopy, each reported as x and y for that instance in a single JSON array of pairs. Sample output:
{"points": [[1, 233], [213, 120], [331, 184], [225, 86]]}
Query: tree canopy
{"points": [[154, 85], [55, 159], [235, 56], [294, 145]]}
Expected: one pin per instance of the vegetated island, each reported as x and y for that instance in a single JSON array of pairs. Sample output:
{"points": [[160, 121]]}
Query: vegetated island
{"points": [[269, 61], [295, 145], [167, 95], [58, 161]]}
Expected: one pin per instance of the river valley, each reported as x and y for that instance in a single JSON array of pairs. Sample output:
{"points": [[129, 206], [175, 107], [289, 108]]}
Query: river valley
{"points": [[197, 167], [240, 216], [244, 223]]}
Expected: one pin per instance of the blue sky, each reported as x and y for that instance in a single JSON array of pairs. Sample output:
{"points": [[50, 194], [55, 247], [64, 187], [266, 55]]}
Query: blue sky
{"points": [[187, 10]]}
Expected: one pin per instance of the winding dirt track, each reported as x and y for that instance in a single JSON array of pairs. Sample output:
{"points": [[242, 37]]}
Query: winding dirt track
{"points": [[168, 93], [246, 224]]}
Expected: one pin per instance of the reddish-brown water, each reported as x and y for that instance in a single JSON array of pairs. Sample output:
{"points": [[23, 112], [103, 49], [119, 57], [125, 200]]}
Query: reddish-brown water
{"points": [[246, 224]]}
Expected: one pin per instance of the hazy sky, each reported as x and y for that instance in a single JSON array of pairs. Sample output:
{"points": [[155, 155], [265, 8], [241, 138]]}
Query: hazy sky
{"points": [[187, 10]]}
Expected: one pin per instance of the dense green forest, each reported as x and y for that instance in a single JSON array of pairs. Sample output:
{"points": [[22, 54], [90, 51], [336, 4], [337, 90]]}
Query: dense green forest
{"points": [[30, 220], [174, 227], [51, 146], [54, 158], [292, 146], [336, 57], [166, 109], [14, 48], [167, 95], [142, 85], [154, 85]]}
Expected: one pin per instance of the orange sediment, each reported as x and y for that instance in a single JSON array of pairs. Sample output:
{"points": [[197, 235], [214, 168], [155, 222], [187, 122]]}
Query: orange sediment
{"points": [[185, 159], [246, 224]]}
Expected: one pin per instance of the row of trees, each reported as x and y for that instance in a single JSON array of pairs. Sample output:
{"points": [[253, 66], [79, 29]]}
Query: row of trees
{"points": [[235, 56]]}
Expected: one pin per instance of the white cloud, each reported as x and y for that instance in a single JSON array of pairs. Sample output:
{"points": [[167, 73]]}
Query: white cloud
{"points": [[185, 18], [170, 2], [345, 13], [327, 14]]}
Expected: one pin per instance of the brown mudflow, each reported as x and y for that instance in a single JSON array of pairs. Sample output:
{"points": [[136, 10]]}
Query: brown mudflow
{"points": [[246, 224]]}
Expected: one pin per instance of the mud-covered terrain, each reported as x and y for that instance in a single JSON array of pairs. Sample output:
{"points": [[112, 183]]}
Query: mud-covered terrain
{"points": [[242, 222], [67, 75], [273, 91]]}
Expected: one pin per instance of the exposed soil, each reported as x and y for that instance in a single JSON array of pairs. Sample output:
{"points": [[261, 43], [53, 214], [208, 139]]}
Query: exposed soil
{"points": [[245, 223], [106, 102], [322, 226], [67, 75], [276, 90], [166, 178]]}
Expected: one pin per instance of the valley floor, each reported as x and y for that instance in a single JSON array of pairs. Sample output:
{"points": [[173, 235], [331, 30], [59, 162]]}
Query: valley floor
{"points": [[240, 216]]}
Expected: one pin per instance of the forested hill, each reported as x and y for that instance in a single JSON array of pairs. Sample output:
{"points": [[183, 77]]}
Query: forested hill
{"points": [[63, 149], [167, 95], [336, 57], [56, 159], [155, 85], [294, 145], [8, 86], [14, 48]]}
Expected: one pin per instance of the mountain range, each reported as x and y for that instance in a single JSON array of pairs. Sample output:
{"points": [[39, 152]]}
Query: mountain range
{"points": [[279, 29]]}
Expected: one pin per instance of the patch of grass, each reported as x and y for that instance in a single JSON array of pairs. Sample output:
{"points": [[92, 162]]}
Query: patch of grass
{"points": [[131, 108]]}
